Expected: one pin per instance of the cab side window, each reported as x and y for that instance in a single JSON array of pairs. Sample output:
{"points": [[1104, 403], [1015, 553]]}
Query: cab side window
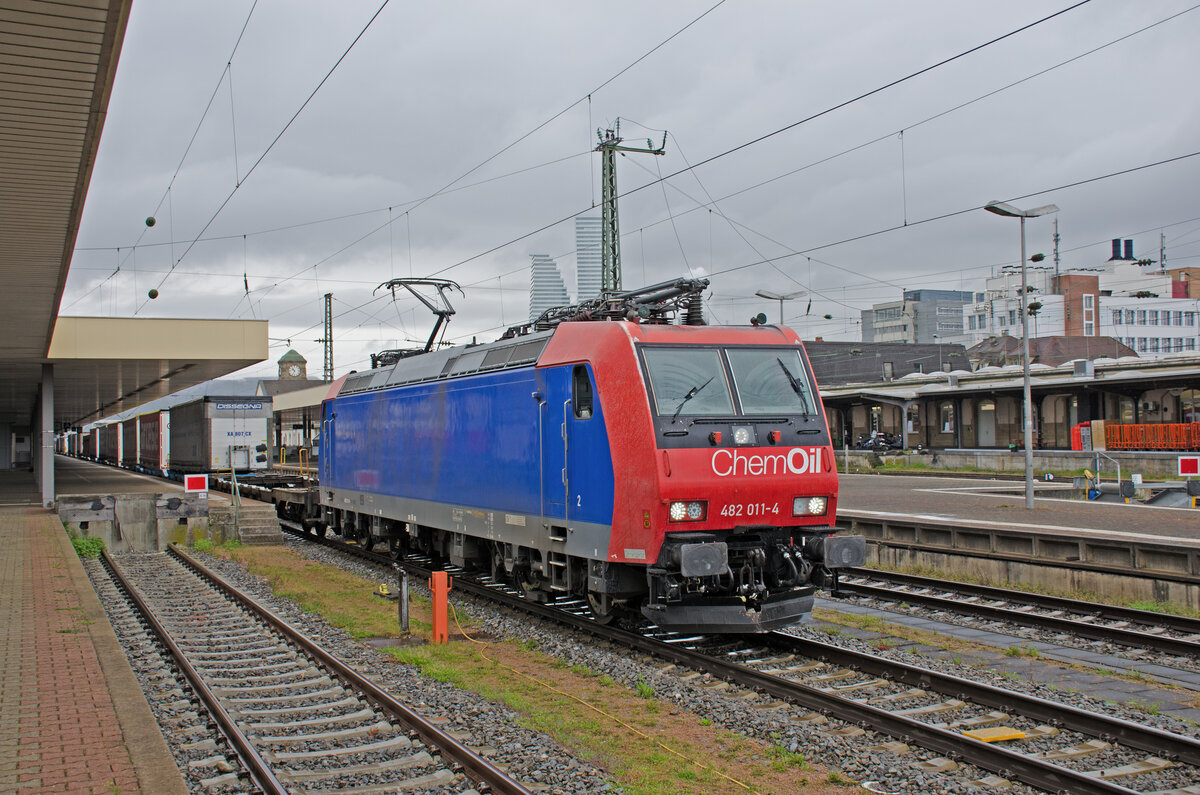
{"points": [[581, 393]]}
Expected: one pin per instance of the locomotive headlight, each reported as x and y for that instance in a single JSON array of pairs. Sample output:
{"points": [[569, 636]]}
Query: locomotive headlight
{"points": [[692, 511], [743, 434], [809, 506]]}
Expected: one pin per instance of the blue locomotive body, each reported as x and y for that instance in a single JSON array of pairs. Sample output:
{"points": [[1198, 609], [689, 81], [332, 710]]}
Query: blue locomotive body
{"points": [[486, 442]]}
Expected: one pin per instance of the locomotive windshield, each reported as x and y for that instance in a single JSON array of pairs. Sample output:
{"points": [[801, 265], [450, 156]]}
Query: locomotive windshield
{"points": [[693, 381], [688, 381], [770, 381]]}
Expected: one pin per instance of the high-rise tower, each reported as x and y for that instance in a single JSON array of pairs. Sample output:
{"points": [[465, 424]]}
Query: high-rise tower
{"points": [[588, 264], [546, 288]]}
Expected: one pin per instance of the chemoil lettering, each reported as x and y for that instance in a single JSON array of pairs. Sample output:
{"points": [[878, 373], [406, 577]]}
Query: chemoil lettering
{"points": [[797, 461]]}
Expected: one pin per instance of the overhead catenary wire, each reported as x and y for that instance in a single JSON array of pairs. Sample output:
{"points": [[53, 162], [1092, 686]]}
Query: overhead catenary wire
{"points": [[780, 130], [737, 228], [914, 124], [909, 126], [691, 166], [271, 145], [345, 216], [586, 97], [944, 216], [208, 106]]}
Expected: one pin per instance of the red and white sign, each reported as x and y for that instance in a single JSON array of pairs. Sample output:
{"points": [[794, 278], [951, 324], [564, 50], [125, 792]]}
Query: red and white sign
{"points": [[797, 461], [195, 483], [1189, 465]]}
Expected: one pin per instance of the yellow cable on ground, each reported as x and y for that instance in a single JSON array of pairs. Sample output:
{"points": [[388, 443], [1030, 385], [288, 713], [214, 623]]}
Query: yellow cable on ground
{"points": [[613, 718]]}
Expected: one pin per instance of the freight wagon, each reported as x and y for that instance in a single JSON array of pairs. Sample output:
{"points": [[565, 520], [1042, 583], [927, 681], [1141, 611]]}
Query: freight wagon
{"points": [[154, 435], [215, 434], [109, 449], [129, 443]]}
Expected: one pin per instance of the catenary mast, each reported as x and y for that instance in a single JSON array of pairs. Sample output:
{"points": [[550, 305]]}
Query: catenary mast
{"points": [[610, 237]]}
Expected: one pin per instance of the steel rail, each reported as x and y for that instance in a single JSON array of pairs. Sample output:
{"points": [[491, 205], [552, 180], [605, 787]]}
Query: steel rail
{"points": [[246, 753], [1145, 738], [475, 766], [1111, 612], [1084, 629], [996, 759]]}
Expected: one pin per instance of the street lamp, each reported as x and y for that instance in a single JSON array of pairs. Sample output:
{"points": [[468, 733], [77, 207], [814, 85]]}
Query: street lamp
{"points": [[1005, 209], [780, 298]]}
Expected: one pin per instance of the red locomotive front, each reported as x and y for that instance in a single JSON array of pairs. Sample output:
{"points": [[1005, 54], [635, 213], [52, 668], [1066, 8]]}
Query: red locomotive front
{"points": [[725, 478]]}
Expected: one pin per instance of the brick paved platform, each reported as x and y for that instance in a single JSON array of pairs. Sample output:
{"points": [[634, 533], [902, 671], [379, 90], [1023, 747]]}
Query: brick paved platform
{"points": [[72, 716]]}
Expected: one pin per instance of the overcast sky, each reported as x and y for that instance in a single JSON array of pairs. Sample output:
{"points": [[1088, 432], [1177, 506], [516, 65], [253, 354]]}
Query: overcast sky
{"points": [[431, 91]]}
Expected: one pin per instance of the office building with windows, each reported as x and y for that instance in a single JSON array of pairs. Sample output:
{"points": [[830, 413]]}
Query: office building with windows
{"points": [[921, 316], [588, 276], [1153, 326], [546, 288]]}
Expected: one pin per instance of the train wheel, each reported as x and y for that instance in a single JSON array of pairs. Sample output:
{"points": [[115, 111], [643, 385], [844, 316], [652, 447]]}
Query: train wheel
{"points": [[322, 528], [367, 540], [530, 585], [395, 548], [497, 562], [602, 607]]}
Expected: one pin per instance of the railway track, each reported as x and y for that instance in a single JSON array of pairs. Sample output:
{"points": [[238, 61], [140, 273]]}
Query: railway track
{"points": [[1052, 746], [295, 718], [1142, 629]]}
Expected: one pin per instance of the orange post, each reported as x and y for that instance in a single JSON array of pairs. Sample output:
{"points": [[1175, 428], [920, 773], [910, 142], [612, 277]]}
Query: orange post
{"points": [[439, 584]]}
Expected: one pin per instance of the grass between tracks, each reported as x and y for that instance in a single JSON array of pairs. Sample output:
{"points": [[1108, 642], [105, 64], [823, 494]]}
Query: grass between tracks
{"points": [[645, 745]]}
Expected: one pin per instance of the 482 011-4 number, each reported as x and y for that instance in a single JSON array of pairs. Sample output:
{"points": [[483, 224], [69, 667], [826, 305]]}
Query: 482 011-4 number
{"points": [[750, 509]]}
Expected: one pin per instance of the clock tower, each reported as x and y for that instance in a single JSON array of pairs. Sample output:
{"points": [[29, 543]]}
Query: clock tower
{"points": [[293, 367]]}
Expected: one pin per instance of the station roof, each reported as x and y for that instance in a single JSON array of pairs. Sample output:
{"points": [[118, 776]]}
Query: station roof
{"points": [[308, 398], [56, 75], [1126, 375]]}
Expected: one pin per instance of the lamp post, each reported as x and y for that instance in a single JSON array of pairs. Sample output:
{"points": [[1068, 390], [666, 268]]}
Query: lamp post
{"points": [[780, 298], [1007, 210], [937, 337]]}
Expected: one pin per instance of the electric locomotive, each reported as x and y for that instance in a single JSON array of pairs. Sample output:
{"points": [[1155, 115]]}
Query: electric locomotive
{"points": [[675, 469]]}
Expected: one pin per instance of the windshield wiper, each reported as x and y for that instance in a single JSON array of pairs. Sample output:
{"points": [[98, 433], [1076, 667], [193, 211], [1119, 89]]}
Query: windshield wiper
{"points": [[795, 385], [691, 393]]}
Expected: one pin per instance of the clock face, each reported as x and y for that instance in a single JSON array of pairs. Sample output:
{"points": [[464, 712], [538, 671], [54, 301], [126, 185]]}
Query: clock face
{"points": [[293, 369]]}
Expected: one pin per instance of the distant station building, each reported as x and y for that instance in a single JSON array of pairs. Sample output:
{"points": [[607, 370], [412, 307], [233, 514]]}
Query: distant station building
{"points": [[1140, 404], [1051, 351], [1138, 302], [921, 316], [835, 362]]}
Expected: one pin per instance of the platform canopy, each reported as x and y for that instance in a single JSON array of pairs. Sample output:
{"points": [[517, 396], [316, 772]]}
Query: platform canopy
{"points": [[57, 65]]}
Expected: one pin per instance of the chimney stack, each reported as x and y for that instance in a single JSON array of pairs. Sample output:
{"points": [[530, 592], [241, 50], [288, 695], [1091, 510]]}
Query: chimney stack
{"points": [[1116, 249], [1128, 249]]}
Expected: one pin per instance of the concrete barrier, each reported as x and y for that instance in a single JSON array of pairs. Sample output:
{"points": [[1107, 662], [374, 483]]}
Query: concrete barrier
{"points": [[1092, 562], [139, 522]]}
